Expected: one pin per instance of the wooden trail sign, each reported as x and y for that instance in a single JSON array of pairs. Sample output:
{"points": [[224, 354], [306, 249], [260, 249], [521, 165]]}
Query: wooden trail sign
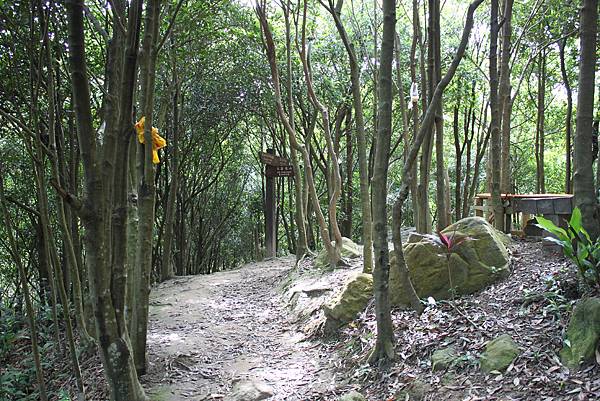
{"points": [[272, 160], [279, 171], [275, 166]]}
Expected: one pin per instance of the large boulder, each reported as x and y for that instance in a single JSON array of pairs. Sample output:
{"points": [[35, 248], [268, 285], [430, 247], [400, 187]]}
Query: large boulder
{"points": [[499, 354], [477, 262], [347, 304], [583, 334], [350, 250]]}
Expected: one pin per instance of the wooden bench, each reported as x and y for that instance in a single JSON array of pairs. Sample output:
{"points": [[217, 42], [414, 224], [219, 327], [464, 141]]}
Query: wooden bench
{"points": [[555, 207]]}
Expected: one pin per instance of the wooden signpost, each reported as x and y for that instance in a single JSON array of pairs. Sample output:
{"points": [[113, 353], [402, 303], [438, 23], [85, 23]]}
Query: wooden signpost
{"points": [[275, 166]]}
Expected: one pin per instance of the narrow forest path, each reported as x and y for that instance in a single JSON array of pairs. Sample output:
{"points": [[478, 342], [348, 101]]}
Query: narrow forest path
{"points": [[208, 331]]}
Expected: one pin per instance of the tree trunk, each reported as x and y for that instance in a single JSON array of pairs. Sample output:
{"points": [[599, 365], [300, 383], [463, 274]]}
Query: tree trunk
{"points": [[443, 214], [504, 97], [540, 125], [495, 150], [583, 177], [302, 242], [106, 286], [335, 182], [146, 189], [365, 199], [384, 345], [167, 265], [568, 117]]}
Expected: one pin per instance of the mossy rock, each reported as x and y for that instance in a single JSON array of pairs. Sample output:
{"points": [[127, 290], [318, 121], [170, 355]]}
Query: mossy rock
{"points": [[353, 396], [347, 304], [582, 334], [474, 264], [443, 358], [499, 354], [350, 250]]}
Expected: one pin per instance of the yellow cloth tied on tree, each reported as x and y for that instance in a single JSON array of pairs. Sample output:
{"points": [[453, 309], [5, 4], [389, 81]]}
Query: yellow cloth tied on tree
{"points": [[158, 141]]}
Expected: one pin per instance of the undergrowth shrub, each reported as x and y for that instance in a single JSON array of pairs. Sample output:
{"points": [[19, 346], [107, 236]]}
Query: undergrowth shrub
{"points": [[577, 246]]}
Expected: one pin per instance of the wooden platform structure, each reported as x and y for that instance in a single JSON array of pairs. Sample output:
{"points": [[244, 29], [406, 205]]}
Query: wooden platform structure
{"points": [[555, 207]]}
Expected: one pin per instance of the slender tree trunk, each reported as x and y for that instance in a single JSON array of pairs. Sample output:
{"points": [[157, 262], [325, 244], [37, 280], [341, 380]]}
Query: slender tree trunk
{"points": [[335, 182], [58, 171], [349, 193], [414, 189], [167, 265], [504, 96], [443, 213], [495, 150], [302, 242], [363, 167], [583, 177], [384, 345], [540, 125], [568, 117]]}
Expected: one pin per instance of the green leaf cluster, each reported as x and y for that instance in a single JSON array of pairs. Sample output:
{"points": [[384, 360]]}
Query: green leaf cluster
{"points": [[577, 246]]}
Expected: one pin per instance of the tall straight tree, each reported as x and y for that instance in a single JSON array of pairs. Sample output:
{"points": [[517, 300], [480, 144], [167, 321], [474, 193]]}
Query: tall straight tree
{"points": [[302, 242], [384, 345], [583, 177], [504, 96], [146, 188], [443, 208], [495, 121], [104, 211]]}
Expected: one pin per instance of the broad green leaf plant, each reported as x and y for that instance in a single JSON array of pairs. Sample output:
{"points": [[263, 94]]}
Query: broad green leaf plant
{"points": [[577, 246]]}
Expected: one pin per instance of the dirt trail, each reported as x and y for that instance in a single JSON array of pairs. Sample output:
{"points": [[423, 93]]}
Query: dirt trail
{"points": [[207, 331]]}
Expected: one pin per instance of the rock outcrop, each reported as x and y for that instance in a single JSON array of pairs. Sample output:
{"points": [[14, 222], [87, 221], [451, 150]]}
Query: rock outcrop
{"points": [[350, 250], [582, 334], [478, 261], [352, 300]]}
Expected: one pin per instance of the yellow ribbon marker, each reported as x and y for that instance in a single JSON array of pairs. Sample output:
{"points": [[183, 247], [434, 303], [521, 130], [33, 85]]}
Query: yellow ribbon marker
{"points": [[158, 141]]}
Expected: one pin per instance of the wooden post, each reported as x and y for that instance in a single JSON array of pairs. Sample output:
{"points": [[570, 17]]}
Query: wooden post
{"points": [[270, 214]]}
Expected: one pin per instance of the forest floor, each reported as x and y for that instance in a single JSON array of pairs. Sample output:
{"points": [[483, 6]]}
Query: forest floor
{"points": [[532, 305], [206, 332]]}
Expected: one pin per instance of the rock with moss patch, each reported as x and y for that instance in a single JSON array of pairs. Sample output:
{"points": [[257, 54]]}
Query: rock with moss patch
{"points": [[350, 250], [443, 358], [583, 334], [353, 396], [348, 303], [474, 264], [499, 354]]}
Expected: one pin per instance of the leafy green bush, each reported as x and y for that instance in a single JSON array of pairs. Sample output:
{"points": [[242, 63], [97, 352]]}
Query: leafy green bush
{"points": [[577, 246]]}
